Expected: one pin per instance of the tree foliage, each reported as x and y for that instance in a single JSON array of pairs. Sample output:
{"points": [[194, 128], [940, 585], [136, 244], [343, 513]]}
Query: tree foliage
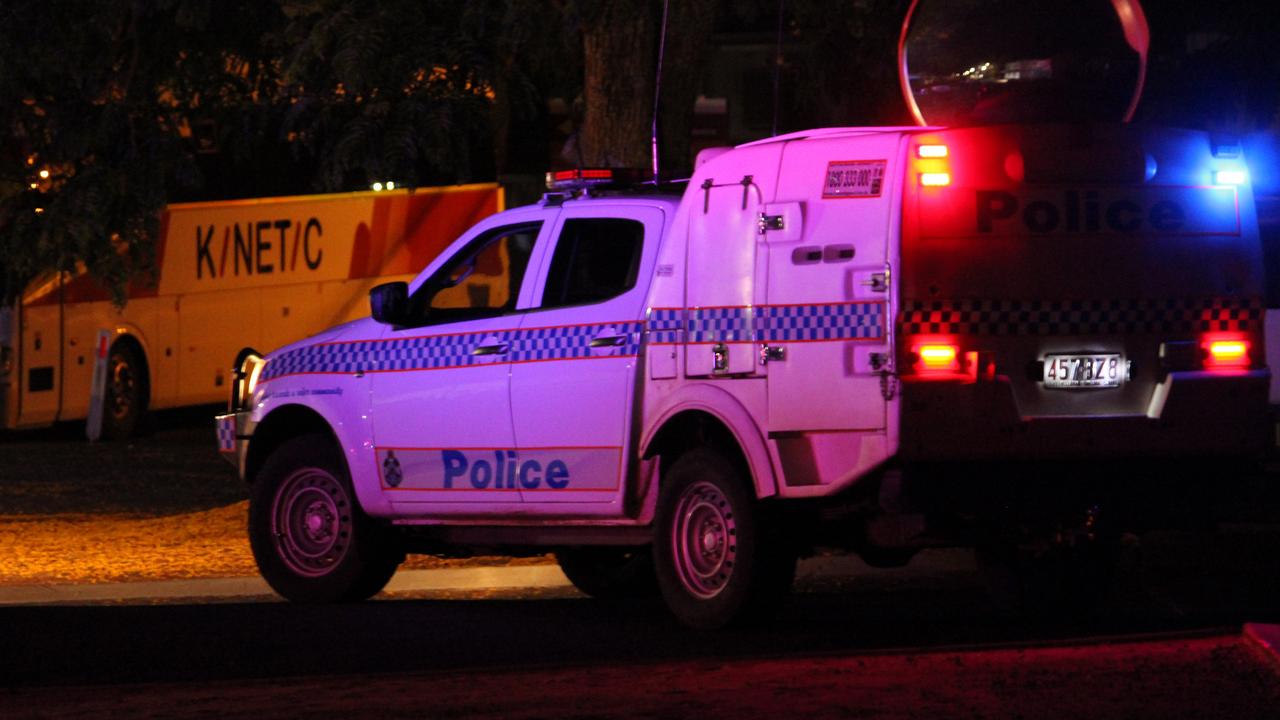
{"points": [[119, 100], [414, 90], [97, 98], [127, 104]]}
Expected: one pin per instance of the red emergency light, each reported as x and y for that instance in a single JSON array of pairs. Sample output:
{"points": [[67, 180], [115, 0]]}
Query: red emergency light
{"points": [[578, 178], [931, 164]]}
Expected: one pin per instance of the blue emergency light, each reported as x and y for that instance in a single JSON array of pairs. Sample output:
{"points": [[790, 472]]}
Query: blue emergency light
{"points": [[1230, 177]]}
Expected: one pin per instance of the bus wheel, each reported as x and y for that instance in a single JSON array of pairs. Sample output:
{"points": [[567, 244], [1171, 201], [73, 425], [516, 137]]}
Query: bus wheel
{"points": [[720, 557], [311, 540], [125, 397], [609, 573]]}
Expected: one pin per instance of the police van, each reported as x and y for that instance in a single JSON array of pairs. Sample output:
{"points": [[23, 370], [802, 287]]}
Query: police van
{"points": [[1001, 335]]}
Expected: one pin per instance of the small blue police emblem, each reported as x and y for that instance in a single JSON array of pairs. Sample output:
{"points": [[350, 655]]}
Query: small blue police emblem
{"points": [[391, 471]]}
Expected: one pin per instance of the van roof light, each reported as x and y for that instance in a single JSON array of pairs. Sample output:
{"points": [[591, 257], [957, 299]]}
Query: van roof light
{"points": [[581, 178]]}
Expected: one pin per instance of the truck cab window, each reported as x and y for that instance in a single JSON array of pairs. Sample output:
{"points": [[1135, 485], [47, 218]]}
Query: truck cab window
{"points": [[595, 259], [482, 280]]}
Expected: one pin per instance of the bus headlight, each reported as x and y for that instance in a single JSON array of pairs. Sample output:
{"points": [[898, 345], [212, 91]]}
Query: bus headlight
{"points": [[247, 370]]}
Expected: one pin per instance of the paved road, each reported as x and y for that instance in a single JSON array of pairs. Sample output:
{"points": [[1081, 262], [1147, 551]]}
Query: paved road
{"points": [[939, 602], [256, 647]]}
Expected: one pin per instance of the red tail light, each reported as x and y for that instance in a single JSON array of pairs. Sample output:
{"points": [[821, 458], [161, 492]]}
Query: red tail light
{"points": [[937, 358], [1226, 354]]}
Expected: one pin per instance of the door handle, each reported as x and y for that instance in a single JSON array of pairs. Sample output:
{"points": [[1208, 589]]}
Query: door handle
{"points": [[609, 341], [494, 349]]}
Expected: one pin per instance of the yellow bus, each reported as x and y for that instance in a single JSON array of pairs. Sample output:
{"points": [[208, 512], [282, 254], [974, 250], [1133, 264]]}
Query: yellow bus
{"points": [[231, 274]]}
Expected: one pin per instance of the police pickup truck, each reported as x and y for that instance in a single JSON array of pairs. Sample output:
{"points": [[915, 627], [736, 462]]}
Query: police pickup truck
{"points": [[1010, 337]]}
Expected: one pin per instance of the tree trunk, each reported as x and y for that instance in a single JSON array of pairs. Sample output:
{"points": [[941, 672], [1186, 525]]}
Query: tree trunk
{"points": [[618, 51], [689, 26]]}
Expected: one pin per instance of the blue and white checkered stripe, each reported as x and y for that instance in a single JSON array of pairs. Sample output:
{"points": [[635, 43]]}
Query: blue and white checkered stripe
{"points": [[721, 324], [568, 343], [770, 323], [420, 353], [785, 323], [666, 325], [435, 352], [227, 433], [322, 358], [799, 323]]}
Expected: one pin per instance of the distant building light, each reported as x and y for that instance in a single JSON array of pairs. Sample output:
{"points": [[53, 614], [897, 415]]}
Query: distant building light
{"points": [[377, 187], [39, 210], [44, 174], [391, 185], [35, 186]]}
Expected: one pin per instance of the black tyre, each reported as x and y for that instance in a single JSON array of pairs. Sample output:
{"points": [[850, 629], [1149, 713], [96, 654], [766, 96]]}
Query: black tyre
{"points": [[720, 559], [124, 399], [311, 540], [610, 573]]}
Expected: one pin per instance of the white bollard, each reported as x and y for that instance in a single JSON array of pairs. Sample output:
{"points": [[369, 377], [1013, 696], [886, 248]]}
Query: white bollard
{"points": [[98, 387]]}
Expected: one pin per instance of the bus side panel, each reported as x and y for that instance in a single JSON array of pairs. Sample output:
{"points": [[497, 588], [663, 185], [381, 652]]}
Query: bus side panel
{"points": [[212, 326], [260, 273], [164, 360], [83, 321], [39, 366], [291, 312]]}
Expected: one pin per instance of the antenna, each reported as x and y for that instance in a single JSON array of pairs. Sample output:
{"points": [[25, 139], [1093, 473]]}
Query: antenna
{"points": [[777, 68], [657, 91]]}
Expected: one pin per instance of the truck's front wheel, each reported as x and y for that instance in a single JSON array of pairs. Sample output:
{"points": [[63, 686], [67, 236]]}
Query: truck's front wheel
{"points": [[719, 559], [309, 536]]}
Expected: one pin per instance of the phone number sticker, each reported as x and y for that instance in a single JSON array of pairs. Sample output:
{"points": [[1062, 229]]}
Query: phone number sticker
{"points": [[854, 178]]}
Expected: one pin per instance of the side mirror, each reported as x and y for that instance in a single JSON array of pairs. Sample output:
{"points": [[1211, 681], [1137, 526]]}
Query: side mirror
{"points": [[389, 303]]}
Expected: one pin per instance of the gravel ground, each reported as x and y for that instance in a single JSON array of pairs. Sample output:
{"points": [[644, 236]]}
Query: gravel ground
{"points": [[174, 468], [162, 506]]}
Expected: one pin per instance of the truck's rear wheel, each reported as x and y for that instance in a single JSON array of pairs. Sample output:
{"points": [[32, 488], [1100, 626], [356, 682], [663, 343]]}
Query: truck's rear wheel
{"points": [[718, 558], [125, 396], [609, 573], [311, 540]]}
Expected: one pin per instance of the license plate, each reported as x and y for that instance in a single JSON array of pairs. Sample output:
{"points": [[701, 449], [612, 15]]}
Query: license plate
{"points": [[1084, 371]]}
